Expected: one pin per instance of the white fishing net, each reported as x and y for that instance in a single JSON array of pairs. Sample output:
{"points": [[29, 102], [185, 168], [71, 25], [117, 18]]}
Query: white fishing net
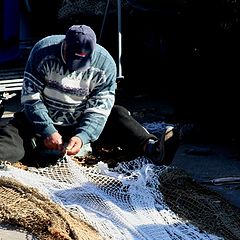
{"points": [[133, 200], [120, 203]]}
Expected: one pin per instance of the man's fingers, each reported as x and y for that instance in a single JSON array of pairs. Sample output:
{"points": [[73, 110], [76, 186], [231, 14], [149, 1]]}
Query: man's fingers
{"points": [[53, 145], [72, 150], [74, 146]]}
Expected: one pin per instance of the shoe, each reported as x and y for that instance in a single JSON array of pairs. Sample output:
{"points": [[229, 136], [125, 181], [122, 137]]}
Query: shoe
{"points": [[155, 151], [171, 145], [162, 150]]}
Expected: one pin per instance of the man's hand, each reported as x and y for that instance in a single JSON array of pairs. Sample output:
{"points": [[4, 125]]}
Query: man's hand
{"points": [[74, 146], [54, 141]]}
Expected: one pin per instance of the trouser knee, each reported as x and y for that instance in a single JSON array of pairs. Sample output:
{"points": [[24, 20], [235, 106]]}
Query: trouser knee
{"points": [[118, 110], [11, 151], [11, 144]]}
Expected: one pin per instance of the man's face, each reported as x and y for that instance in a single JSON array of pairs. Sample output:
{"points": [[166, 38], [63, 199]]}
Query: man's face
{"points": [[76, 58]]}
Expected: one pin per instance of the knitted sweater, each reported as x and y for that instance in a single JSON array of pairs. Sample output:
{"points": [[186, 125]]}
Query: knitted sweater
{"points": [[52, 95]]}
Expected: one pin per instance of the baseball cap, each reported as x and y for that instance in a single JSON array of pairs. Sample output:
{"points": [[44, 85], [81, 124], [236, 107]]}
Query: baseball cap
{"points": [[81, 42]]}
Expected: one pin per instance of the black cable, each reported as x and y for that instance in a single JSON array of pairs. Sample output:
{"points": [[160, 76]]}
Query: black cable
{"points": [[104, 20]]}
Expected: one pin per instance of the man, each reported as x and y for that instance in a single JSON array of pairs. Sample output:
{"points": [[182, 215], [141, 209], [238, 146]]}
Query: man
{"points": [[68, 98]]}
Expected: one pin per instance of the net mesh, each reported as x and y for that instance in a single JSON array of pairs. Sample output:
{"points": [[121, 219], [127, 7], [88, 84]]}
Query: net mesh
{"points": [[135, 200], [25, 207], [199, 205], [70, 8], [132, 200]]}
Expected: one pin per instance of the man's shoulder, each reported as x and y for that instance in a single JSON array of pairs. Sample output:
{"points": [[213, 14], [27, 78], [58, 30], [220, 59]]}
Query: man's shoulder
{"points": [[103, 55], [49, 40], [102, 50]]}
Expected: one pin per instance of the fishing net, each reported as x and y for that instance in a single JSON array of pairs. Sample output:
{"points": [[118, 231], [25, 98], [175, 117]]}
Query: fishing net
{"points": [[132, 200], [91, 7], [135, 200], [27, 208], [70, 8], [199, 205]]}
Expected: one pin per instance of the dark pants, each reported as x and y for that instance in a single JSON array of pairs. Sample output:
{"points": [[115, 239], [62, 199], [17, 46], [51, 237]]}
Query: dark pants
{"points": [[121, 129]]}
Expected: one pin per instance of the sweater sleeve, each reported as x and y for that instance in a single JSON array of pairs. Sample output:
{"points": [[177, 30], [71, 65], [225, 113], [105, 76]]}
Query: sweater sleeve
{"points": [[31, 97], [98, 108]]}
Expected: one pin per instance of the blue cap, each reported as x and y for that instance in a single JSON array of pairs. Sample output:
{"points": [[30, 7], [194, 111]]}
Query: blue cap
{"points": [[80, 44]]}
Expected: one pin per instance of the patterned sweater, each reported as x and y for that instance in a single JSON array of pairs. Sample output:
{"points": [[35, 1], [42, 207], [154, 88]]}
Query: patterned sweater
{"points": [[52, 95]]}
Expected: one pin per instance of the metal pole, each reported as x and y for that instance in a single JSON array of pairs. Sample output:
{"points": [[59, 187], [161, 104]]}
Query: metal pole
{"points": [[119, 14]]}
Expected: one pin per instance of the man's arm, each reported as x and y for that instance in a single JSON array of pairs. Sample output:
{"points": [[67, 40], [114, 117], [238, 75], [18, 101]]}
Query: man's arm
{"points": [[31, 95], [98, 108]]}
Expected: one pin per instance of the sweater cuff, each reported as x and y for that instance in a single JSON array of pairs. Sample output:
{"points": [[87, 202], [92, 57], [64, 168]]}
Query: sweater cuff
{"points": [[49, 130], [84, 137]]}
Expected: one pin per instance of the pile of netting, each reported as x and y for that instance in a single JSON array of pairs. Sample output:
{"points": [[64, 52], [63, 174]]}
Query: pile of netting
{"points": [[25, 207], [131, 200], [91, 7], [70, 8], [134, 200]]}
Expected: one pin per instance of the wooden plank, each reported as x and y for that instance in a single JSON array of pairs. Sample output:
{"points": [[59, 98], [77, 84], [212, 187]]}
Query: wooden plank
{"points": [[11, 81]]}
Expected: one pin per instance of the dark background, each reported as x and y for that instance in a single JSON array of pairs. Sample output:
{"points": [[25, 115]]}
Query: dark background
{"points": [[185, 53]]}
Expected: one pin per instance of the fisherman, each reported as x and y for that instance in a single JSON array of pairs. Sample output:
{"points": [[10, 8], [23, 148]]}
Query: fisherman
{"points": [[68, 100]]}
